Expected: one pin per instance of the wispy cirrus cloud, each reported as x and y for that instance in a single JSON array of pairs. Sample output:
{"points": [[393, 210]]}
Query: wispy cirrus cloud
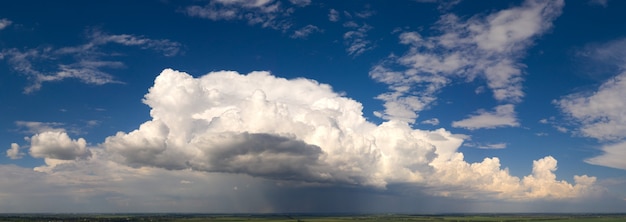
{"points": [[305, 31], [356, 39], [487, 47], [266, 13], [89, 61]]}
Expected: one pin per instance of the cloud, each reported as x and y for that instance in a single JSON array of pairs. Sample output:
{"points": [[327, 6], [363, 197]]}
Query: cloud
{"points": [[300, 131], [14, 152], [300, 3], [603, 3], [89, 64], [267, 13], [600, 113], [305, 31], [274, 136], [432, 121], [57, 145], [603, 59], [333, 15], [5, 23], [443, 4], [489, 146], [356, 39], [488, 47], [33, 127], [504, 115], [612, 156]]}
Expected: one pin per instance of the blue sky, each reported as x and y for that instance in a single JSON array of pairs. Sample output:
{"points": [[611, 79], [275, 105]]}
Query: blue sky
{"points": [[313, 106]]}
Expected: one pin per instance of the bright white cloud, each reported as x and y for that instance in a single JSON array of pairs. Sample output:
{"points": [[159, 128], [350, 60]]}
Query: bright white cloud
{"points": [[88, 60], [305, 31], [504, 115], [267, 13], [57, 145], [14, 152], [300, 130], [5, 23], [488, 47]]}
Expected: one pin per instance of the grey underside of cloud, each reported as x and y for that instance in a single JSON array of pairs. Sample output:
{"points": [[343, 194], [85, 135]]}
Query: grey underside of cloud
{"points": [[480, 47]]}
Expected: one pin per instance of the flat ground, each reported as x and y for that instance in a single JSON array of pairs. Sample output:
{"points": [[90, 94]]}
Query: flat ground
{"points": [[316, 218]]}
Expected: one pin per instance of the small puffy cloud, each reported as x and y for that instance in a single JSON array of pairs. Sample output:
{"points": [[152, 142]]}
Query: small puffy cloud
{"points": [[58, 145], [433, 121], [613, 156], [5, 23], [333, 15], [305, 31], [14, 152], [503, 116], [488, 47]]}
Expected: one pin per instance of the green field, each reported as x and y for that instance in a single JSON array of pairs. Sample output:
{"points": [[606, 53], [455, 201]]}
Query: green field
{"points": [[314, 218]]}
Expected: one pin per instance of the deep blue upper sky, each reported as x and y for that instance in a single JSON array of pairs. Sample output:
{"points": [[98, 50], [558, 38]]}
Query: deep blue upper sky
{"points": [[459, 102]]}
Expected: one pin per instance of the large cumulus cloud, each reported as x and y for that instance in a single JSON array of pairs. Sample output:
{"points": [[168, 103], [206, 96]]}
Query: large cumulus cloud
{"points": [[300, 130]]}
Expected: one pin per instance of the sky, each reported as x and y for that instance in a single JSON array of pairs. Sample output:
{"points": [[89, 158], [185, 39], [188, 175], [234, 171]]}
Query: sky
{"points": [[305, 106]]}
